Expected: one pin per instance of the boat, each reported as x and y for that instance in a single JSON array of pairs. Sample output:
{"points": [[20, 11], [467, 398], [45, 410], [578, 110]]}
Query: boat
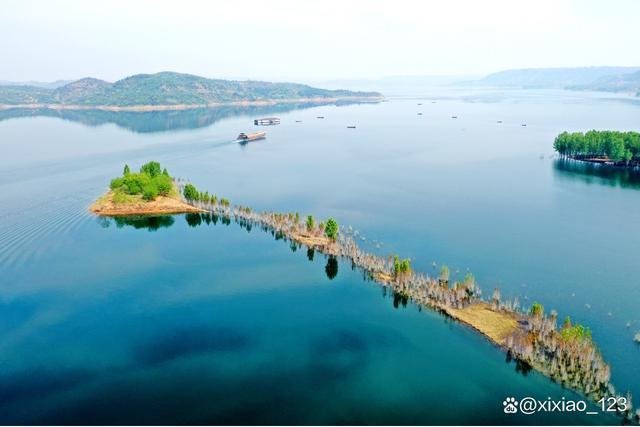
{"points": [[499, 121], [419, 114], [419, 103], [524, 124], [267, 121], [298, 121], [320, 117], [351, 127], [454, 117], [246, 137]]}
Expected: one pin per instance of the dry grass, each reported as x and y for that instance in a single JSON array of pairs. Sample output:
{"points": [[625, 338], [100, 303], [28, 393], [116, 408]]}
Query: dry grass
{"points": [[135, 205], [383, 277], [497, 325], [312, 240]]}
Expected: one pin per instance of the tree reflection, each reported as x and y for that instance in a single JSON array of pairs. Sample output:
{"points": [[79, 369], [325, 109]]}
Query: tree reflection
{"points": [[590, 173], [332, 267], [151, 223]]}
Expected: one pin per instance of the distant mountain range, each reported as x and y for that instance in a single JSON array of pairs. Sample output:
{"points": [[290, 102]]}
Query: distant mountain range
{"points": [[166, 89], [48, 85], [610, 79]]}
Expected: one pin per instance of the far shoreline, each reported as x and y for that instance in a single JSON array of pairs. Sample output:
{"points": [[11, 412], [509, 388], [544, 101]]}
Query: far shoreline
{"points": [[177, 107]]}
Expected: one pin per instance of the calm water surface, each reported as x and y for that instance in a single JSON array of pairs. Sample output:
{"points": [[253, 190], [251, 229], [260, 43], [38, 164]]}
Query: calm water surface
{"points": [[183, 320]]}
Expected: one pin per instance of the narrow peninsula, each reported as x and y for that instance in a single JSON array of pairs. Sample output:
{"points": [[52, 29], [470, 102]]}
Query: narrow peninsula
{"points": [[530, 335]]}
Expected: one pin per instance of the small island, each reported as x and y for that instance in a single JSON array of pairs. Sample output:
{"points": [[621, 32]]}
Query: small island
{"points": [[604, 147], [152, 191]]}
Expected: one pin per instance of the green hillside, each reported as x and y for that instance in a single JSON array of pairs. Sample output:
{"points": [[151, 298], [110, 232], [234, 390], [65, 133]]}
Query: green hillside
{"points": [[166, 88], [629, 83], [538, 78]]}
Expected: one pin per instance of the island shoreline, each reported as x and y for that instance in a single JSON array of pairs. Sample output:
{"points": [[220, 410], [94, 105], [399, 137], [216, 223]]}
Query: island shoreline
{"points": [[179, 107]]}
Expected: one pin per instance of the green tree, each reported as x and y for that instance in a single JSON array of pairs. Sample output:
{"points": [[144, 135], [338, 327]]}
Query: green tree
{"points": [[151, 168], [310, 223], [190, 192], [469, 281], [126, 171], [331, 229], [537, 310], [150, 192], [444, 274], [164, 184]]}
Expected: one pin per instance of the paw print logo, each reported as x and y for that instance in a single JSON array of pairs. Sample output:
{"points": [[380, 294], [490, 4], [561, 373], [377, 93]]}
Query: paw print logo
{"points": [[510, 405]]}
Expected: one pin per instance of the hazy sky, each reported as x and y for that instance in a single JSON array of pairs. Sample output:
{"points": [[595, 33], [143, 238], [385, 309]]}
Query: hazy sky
{"points": [[306, 41]]}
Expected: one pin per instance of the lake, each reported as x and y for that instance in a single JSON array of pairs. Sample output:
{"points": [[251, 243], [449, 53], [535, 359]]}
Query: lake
{"points": [[176, 320]]}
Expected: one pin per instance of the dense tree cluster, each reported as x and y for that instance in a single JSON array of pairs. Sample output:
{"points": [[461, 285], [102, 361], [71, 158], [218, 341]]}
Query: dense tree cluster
{"points": [[612, 145], [150, 183]]}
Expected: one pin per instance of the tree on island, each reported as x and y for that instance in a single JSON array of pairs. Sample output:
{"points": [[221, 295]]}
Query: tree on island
{"points": [[401, 267], [190, 192], [331, 229], [537, 310], [151, 168], [612, 145], [310, 223], [149, 183], [444, 275]]}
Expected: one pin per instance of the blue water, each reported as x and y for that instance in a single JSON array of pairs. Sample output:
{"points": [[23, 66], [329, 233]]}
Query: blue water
{"points": [[167, 321]]}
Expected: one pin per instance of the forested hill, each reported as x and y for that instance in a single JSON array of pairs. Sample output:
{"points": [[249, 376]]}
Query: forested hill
{"points": [[166, 88], [628, 82], [572, 78]]}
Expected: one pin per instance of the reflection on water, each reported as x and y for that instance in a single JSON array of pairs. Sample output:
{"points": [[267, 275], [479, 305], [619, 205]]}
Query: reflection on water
{"points": [[151, 223], [332, 267], [160, 121], [591, 173]]}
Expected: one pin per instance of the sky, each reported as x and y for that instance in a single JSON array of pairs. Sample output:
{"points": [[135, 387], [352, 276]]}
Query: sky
{"points": [[311, 41]]}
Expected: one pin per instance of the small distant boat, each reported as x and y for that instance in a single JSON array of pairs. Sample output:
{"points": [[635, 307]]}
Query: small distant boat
{"points": [[267, 121], [298, 121], [499, 121], [351, 127], [419, 114], [524, 124], [246, 137], [320, 117], [419, 103], [454, 117]]}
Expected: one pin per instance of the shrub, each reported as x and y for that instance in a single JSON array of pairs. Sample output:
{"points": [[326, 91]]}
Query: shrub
{"points": [[190, 192], [151, 168], [331, 229], [401, 266], [444, 273], [116, 183], [164, 184], [537, 310], [150, 192], [119, 197]]}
